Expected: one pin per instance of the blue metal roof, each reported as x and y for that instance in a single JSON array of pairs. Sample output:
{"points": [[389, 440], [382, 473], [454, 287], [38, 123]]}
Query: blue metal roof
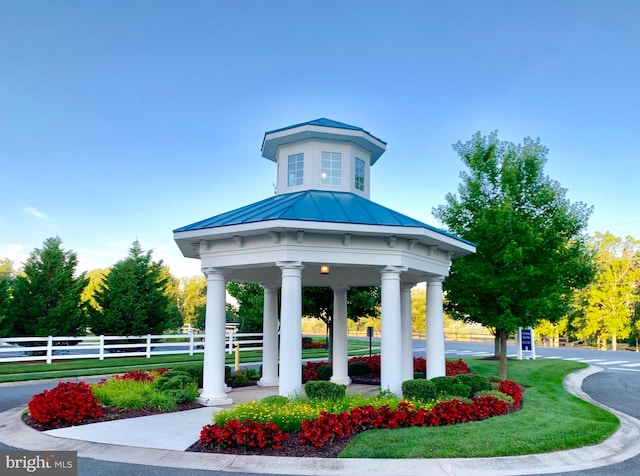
{"points": [[325, 123], [313, 205]]}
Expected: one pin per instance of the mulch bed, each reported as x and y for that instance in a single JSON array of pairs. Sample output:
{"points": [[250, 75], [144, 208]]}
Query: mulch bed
{"points": [[108, 414], [291, 447]]}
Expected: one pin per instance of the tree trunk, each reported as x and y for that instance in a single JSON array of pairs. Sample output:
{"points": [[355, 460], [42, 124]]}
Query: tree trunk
{"points": [[496, 344], [502, 336], [614, 342]]}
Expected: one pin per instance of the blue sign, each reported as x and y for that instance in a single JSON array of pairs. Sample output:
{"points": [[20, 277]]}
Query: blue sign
{"points": [[525, 339]]}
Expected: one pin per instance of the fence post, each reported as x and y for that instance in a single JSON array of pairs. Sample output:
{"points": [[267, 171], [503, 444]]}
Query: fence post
{"points": [[190, 343], [101, 350], [49, 349], [148, 346], [230, 343]]}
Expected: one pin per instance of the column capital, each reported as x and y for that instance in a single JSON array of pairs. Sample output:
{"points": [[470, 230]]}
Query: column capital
{"points": [[266, 286], [340, 289], [407, 286], [290, 265], [393, 270], [435, 279], [212, 272]]}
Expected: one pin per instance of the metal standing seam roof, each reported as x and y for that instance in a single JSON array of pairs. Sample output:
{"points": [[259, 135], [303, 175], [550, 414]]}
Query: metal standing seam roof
{"points": [[316, 206], [324, 122]]}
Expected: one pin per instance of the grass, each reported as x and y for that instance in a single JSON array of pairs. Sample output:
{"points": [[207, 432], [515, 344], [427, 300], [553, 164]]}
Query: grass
{"points": [[22, 371], [551, 420]]}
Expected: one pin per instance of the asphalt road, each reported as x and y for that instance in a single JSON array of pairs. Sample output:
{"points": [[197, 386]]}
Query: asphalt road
{"points": [[618, 386]]}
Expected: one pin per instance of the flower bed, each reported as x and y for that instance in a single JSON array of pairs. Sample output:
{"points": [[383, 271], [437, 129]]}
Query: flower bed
{"points": [[331, 428]]}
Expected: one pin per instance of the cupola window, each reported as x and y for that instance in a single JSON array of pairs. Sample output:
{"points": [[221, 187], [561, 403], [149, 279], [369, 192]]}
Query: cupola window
{"points": [[295, 170], [331, 168], [359, 176]]}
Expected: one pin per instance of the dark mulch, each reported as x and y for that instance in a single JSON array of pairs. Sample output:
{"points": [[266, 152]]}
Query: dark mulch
{"points": [[108, 414], [291, 447]]}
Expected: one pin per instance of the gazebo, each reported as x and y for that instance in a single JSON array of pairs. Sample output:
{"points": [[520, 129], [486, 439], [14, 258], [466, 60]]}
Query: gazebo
{"points": [[321, 229]]}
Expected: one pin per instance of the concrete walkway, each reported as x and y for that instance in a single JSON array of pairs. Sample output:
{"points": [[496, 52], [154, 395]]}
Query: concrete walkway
{"points": [[159, 440]]}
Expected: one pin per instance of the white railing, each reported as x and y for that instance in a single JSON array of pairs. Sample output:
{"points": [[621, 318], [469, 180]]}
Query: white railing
{"points": [[25, 349]]}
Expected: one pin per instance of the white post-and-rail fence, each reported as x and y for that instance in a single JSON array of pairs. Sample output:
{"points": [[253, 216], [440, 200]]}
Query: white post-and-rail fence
{"points": [[24, 349]]}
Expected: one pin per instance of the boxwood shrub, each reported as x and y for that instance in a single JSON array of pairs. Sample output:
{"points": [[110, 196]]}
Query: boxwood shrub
{"points": [[319, 389], [421, 390]]}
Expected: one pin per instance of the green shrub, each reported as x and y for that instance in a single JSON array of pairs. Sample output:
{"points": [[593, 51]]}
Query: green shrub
{"points": [[478, 383], [461, 390], [307, 340], [126, 394], [496, 394], [179, 386], [195, 370], [319, 389], [240, 377], [418, 375], [324, 372], [443, 385], [359, 367], [253, 374], [188, 394], [163, 401], [174, 380], [277, 399], [421, 390], [227, 373]]}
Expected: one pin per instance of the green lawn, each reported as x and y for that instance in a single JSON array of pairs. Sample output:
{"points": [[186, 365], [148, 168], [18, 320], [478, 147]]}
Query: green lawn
{"points": [[551, 420], [22, 371]]}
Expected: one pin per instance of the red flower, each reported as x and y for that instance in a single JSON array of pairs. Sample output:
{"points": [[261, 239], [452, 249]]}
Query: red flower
{"points": [[68, 402]]}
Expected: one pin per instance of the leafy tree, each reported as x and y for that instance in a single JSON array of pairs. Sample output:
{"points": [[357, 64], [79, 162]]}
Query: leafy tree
{"points": [[192, 299], [419, 310], [609, 301], [6, 277], [96, 278], [361, 302], [250, 299], [531, 252], [46, 296], [6, 268], [4, 307], [132, 299], [172, 291]]}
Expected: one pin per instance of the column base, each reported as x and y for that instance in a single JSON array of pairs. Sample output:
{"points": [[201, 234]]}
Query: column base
{"points": [[341, 380], [214, 400], [269, 382]]}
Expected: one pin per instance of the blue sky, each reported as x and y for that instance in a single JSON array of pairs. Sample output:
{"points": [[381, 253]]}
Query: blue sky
{"points": [[126, 120]]}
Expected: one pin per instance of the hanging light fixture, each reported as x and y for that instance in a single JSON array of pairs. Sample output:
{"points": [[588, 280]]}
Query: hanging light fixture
{"points": [[324, 269]]}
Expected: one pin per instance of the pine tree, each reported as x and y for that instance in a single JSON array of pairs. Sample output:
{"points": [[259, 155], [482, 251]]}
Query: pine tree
{"points": [[131, 299], [46, 296]]}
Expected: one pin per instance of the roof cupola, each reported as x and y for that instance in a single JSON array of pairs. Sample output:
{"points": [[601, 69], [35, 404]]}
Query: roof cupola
{"points": [[323, 155]]}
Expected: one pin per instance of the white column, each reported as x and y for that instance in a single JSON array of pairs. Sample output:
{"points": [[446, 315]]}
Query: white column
{"points": [[340, 348], [391, 341], [270, 338], [214, 387], [435, 329], [290, 383], [407, 332]]}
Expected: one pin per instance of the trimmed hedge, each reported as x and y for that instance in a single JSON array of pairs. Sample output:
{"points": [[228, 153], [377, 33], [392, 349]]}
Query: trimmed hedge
{"points": [[421, 390], [322, 390]]}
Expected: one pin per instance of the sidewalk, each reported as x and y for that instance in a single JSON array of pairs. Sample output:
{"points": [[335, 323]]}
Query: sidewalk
{"points": [[159, 440]]}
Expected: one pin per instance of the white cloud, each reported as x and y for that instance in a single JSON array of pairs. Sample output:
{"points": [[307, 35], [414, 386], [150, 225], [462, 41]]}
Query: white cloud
{"points": [[35, 212], [15, 253]]}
